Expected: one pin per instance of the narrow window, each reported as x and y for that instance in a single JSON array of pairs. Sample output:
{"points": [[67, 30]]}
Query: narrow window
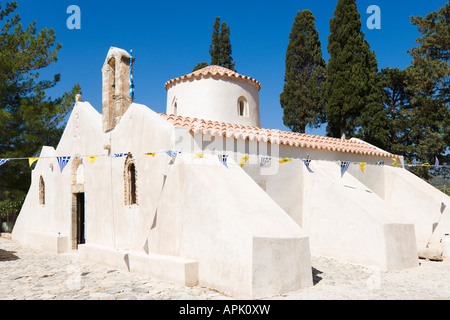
{"points": [[41, 191], [175, 109], [132, 177], [242, 107]]}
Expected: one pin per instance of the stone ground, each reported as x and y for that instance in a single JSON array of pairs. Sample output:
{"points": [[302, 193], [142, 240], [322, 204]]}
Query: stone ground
{"points": [[27, 274]]}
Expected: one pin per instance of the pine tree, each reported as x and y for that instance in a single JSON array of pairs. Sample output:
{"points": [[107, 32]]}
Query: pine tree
{"points": [[350, 70], [302, 97], [401, 124], [28, 118], [220, 48], [428, 79]]}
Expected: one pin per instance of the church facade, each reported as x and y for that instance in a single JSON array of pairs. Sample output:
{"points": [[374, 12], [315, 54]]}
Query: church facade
{"points": [[202, 195]]}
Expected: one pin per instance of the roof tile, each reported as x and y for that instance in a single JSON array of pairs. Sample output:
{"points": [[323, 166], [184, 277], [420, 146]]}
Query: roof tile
{"points": [[216, 128]]}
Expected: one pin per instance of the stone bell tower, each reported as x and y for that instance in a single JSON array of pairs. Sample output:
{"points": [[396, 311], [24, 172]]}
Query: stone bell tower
{"points": [[116, 87]]}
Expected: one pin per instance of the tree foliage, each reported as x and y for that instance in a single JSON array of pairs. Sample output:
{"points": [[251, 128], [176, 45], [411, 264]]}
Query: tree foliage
{"points": [[351, 72], [199, 66], [220, 48], [428, 80], [28, 118], [302, 96]]}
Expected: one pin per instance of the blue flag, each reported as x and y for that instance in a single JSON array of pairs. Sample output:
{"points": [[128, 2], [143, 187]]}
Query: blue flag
{"points": [[223, 159], [119, 155], [3, 161], [171, 153], [344, 167], [436, 164], [131, 78], [264, 161], [62, 161], [307, 162]]}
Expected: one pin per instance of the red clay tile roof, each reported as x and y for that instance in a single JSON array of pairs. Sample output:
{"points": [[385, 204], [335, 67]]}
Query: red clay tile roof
{"points": [[214, 72], [215, 128]]}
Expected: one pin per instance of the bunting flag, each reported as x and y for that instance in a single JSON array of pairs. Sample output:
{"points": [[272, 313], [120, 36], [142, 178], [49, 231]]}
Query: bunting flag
{"points": [[171, 153], [32, 160], [344, 167], [244, 159], [119, 155], [285, 160], [307, 162], [264, 160], [3, 161], [395, 162], [150, 154], [223, 159], [131, 78], [92, 158], [62, 161], [199, 155], [362, 165]]}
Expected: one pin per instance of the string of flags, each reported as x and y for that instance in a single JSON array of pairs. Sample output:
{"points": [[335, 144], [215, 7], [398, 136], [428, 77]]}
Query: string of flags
{"points": [[223, 158]]}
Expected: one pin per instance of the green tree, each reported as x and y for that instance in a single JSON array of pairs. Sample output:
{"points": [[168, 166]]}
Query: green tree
{"points": [[28, 118], [220, 48], [199, 66], [302, 97], [350, 72], [399, 112], [428, 80]]}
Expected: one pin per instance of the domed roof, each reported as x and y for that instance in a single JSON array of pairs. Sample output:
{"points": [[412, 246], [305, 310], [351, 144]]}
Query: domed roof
{"points": [[216, 72]]}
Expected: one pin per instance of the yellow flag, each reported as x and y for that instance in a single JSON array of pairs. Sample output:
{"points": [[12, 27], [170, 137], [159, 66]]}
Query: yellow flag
{"points": [[244, 159], [362, 165], [32, 160], [199, 155], [395, 161], [285, 160], [150, 154], [426, 164], [92, 158]]}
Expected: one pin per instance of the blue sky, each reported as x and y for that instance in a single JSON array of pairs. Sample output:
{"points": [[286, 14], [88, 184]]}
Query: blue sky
{"points": [[169, 38]]}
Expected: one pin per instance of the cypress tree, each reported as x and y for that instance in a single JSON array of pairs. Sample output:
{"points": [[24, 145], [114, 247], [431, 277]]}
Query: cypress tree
{"points": [[215, 47], [350, 70], [302, 96], [220, 48]]}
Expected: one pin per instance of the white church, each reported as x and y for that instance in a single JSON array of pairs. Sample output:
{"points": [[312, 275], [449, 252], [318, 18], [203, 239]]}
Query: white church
{"points": [[203, 196]]}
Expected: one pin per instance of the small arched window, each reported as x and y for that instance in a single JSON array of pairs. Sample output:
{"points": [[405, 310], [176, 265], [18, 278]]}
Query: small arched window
{"points": [[175, 106], [130, 178], [242, 107], [41, 191]]}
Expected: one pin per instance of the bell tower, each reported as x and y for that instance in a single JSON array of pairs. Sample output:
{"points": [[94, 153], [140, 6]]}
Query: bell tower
{"points": [[116, 87]]}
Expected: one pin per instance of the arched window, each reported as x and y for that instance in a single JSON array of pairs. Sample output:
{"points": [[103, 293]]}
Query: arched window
{"points": [[175, 106], [130, 178], [242, 107], [41, 191]]}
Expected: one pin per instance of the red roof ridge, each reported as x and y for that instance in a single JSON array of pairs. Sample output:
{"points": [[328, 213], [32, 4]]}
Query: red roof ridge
{"points": [[303, 140], [215, 72]]}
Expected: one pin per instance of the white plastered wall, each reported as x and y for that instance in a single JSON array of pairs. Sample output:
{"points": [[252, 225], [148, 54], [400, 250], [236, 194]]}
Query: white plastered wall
{"points": [[215, 99]]}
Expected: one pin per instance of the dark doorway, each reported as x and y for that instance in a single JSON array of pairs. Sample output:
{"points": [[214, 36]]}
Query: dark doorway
{"points": [[80, 218]]}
